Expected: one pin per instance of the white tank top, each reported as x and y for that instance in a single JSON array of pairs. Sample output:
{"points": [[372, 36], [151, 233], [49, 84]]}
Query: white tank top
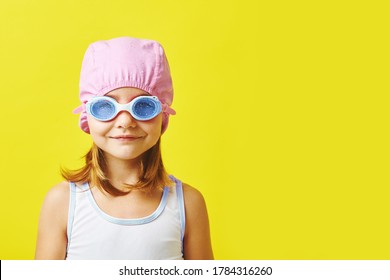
{"points": [[94, 235]]}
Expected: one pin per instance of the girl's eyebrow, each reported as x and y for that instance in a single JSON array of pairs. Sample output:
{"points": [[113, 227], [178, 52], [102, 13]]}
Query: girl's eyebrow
{"points": [[117, 96]]}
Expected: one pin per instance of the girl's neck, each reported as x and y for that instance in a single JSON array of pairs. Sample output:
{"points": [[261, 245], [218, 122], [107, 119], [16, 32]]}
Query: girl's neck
{"points": [[122, 171]]}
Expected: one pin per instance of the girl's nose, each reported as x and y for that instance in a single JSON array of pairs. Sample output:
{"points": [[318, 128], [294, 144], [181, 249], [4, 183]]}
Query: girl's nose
{"points": [[125, 120]]}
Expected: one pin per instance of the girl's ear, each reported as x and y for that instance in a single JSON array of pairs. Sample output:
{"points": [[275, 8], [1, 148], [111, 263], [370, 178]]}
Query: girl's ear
{"points": [[165, 121]]}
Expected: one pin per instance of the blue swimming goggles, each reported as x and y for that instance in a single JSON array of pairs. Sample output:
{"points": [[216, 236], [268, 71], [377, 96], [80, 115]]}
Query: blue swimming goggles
{"points": [[142, 108]]}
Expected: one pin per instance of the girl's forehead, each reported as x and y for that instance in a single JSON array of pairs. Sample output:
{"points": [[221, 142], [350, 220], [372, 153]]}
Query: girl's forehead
{"points": [[126, 93]]}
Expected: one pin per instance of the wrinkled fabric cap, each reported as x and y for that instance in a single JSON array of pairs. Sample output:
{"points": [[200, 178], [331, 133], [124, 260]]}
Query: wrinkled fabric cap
{"points": [[125, 62]]}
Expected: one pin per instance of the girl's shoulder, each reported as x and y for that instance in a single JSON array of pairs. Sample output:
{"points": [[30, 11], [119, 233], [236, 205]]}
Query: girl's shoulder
{"points": [[57, 201], [194, 201], [192, 194], [58, 193]]}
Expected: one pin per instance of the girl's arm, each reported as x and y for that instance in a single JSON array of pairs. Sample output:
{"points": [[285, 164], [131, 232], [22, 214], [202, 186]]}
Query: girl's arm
{"points": [[197, 241], [52, 238]]}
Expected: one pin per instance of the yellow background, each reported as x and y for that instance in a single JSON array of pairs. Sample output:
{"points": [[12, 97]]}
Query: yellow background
{"points": [[282, 116]]}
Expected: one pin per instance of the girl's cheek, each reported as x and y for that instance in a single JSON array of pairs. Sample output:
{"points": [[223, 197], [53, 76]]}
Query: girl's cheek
{"points": [[96, 126]]}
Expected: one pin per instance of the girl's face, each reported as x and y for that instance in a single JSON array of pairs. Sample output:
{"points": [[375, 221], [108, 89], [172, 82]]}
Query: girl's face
{"points": [[124, 137]]}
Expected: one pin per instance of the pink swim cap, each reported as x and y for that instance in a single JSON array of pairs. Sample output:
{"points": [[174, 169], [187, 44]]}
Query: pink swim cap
{"points": [[125, 62]]}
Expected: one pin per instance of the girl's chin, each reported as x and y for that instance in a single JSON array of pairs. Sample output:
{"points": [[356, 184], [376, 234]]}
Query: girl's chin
{"points": [[130, 156]]}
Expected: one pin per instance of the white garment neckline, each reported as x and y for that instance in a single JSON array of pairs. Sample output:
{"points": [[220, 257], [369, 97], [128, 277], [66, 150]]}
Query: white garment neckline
{"points": [[134, 221]]}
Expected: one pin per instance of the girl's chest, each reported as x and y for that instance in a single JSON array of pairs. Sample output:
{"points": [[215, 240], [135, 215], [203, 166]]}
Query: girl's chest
{"points": [[132, 206]]}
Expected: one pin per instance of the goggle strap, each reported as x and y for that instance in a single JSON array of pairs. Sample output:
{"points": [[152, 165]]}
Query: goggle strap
{"points": [[168, 110], [80, 109]]}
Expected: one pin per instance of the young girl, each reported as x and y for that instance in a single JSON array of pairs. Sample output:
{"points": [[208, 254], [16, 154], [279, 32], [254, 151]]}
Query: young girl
{"points": [[122, 204]]}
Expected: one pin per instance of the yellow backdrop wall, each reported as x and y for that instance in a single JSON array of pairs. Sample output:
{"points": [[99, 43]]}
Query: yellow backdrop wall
{"points": [[282, 116]]}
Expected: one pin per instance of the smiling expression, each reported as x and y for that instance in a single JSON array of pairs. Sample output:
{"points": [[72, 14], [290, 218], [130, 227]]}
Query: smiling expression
{"points": [[124, 137]]}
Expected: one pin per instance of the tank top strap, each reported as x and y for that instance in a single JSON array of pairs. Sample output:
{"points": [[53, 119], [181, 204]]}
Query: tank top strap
{"points": [[181, 206], [72, 206]]}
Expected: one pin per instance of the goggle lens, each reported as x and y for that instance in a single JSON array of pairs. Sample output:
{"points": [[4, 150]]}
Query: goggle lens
{"points": [[144, 109], [102, 109]]}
